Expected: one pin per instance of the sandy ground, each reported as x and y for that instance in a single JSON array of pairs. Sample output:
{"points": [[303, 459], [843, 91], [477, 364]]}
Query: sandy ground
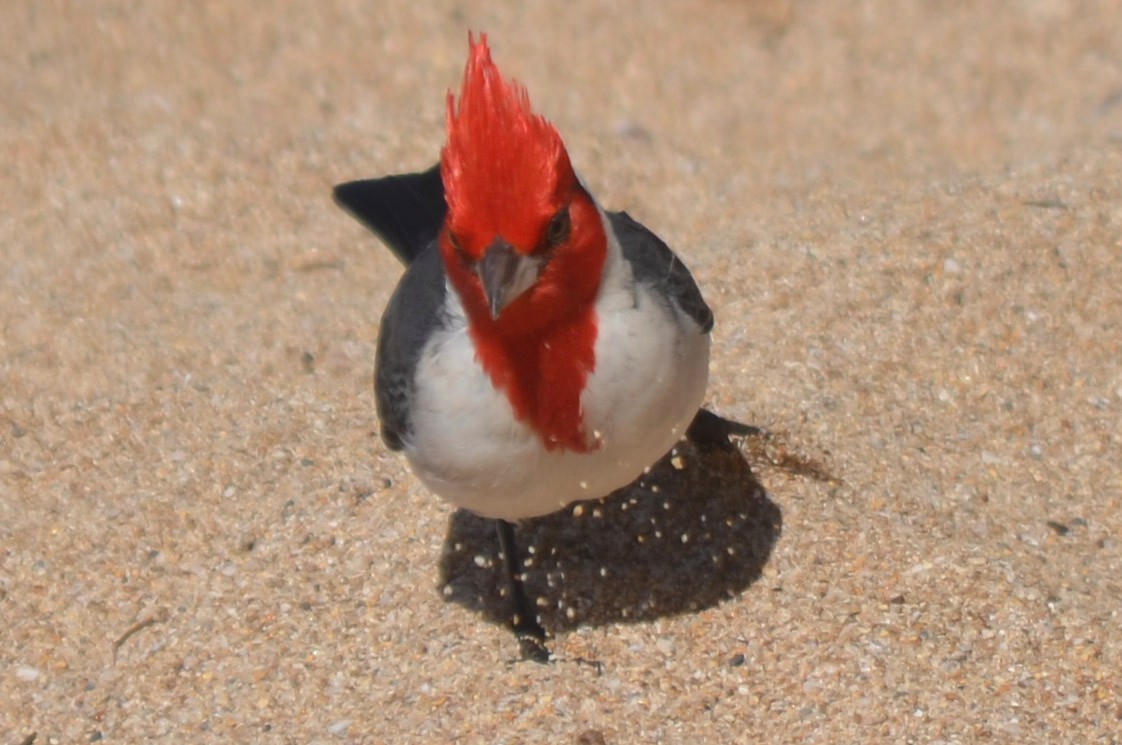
{"points": [[907, 217]]}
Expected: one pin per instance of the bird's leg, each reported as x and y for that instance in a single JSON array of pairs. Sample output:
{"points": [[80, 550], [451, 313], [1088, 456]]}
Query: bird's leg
{"points": [[708, 431], [524, 621]]}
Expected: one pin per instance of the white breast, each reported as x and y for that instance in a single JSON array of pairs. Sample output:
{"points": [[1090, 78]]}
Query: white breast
{"points": [[652, 367]]}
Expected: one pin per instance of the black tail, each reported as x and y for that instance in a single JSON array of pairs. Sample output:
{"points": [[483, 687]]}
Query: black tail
{"points": [[405, 211]]}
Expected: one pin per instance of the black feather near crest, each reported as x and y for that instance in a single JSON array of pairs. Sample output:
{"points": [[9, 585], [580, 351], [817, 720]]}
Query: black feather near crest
{"points": [[406, 210]]}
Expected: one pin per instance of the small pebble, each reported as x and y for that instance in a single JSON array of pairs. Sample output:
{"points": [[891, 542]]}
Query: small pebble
{"points": [[26, 673]]}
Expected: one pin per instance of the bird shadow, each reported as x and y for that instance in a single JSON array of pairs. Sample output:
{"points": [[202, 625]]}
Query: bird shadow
{"points": [[695, 530]]}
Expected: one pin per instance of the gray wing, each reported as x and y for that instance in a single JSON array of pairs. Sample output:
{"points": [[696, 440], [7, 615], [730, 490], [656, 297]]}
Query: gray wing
{"points": [[654, 264], [412, 315]]}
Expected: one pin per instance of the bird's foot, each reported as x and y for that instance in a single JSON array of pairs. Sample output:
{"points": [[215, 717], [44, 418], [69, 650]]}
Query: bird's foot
{"points": [[531, 638], [531, 643]]}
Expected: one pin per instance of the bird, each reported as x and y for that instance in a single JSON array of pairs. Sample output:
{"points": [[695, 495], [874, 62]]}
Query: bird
{"points": [[538, 350]]}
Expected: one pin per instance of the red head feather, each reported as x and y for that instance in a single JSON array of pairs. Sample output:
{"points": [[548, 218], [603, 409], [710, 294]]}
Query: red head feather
{"points": [[505, 169]]}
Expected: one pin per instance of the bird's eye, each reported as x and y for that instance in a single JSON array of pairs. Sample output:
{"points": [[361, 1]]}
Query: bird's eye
{"points": [[558, 229], [458, 248]]}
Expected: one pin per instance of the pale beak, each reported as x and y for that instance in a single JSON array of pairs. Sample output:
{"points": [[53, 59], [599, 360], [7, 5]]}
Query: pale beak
{"points": [[506, 274]]}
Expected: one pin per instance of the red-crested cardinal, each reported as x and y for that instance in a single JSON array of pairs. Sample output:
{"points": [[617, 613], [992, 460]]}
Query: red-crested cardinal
{"points": [[538, 350]]}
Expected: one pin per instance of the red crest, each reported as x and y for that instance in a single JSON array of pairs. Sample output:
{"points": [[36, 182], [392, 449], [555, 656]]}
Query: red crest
{"points": [[505, 169]]}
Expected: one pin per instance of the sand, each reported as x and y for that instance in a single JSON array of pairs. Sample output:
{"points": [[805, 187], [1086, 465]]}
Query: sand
{"points": [[907, 218]]}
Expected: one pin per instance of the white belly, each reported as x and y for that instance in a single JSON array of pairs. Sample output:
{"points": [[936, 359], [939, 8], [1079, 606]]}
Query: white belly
{"points": [[652, 368]]}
